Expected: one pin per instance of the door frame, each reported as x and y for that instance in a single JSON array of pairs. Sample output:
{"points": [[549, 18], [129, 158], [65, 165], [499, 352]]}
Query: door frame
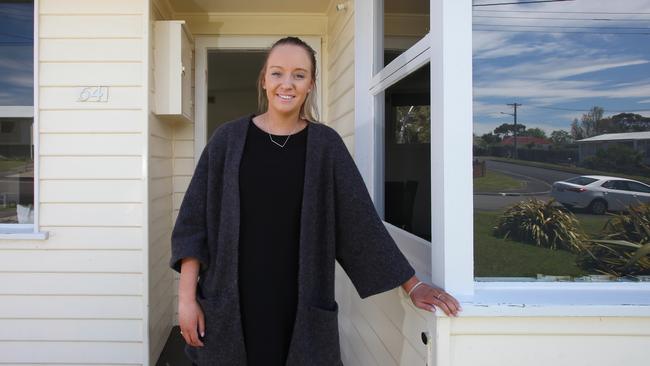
{"points": [[204, 44]]}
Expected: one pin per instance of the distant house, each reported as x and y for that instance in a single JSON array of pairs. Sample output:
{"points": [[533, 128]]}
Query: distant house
{"points": [[639, 141], [525, 141]]}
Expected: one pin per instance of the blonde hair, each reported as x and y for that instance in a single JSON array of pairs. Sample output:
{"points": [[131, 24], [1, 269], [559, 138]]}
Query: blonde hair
{"points": [[309, 109]]}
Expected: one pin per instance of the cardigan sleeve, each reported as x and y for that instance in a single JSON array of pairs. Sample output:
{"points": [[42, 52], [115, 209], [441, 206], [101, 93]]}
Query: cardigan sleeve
{"points": [[364, 248], [189, 236]]}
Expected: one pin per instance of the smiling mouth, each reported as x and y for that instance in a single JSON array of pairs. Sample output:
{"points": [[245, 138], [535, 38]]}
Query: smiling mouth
{"points": [[285, 97]]}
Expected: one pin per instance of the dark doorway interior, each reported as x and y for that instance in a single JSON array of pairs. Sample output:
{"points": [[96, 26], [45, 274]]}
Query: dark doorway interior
{"points": [[232, 85]]}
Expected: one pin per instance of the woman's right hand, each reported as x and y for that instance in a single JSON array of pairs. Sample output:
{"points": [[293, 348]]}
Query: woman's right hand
{"points": [[191, 321]]}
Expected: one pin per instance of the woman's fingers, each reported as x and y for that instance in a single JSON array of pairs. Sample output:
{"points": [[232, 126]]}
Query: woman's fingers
{"points": [[192, 322], [427, 298], [444, 306], [201, 324], [194, 338], [425, 306]]}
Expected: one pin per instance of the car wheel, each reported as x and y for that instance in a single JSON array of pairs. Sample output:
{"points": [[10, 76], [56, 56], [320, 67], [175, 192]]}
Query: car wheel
{"points": [[598, 207]]}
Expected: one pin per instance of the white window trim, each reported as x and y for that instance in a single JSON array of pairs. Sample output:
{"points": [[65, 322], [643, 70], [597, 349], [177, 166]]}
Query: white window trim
{"points": [[448, 47], [29, 231]]}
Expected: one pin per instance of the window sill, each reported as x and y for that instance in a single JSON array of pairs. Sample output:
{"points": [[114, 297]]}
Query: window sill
{"points": [[571, 299], [23, 235]]}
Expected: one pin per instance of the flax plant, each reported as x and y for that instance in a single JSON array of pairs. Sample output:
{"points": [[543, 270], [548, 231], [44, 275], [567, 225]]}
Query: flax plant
{"points": [[541, 224], [624, 249]]}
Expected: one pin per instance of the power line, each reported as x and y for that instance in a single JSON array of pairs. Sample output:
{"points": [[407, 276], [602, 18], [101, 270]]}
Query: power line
{"points": [[557, 26], [559, 32], [522, 2], [561, 12], [587, 109], [551, 18]]}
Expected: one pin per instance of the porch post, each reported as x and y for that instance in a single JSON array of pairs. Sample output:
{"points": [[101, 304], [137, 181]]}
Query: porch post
{"points": [[452, 222]]}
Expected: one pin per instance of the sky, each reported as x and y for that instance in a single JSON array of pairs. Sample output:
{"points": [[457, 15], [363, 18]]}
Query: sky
{"points": [[558, 60], [16, 54]]}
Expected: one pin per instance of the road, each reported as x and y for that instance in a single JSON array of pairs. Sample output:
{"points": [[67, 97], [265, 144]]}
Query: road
{"points": [[539, 181], [547, 176]]}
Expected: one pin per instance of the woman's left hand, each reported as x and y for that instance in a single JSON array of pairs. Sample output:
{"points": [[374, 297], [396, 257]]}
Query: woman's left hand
{"points": [[427, 298]]}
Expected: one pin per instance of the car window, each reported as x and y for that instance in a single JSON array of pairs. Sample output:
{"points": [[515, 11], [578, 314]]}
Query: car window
{"points": [[638, 187], [581, 181], [620, 185]]}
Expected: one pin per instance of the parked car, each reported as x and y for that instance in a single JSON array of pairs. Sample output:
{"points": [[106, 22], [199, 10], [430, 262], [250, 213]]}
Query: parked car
{"points": [[599, 193]]}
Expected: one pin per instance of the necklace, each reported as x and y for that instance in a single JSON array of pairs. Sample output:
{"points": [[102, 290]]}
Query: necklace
{"points": [[285, 141]]}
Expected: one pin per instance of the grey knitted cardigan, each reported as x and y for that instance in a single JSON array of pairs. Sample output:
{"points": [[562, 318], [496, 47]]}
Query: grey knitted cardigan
{"points": [[338, 221]]}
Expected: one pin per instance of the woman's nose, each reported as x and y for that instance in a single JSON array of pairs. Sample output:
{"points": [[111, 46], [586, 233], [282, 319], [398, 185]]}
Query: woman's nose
{"points": [[287, 82]]}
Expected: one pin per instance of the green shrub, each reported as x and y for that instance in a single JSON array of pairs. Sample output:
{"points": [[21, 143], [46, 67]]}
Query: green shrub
{"points": [[624, 249], [542, 224]]}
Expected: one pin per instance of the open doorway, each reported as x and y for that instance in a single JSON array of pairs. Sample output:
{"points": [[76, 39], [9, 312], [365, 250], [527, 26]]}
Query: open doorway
{"points": [[231, 85]]}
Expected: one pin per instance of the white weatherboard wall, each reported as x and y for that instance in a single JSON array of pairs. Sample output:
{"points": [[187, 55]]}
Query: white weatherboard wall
{"points": [[541, 341], [77, 297]]}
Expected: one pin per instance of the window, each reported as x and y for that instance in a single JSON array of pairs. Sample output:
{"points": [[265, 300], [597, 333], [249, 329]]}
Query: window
{"points": [[404, 24], [16, 114], [572, 77], [407, 159], [581, 181], [638, 187], [400, 103]]}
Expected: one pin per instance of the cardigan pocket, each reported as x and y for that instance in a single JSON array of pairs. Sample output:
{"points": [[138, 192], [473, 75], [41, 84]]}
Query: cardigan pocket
{"points": [[219, 329], [323, 327]]}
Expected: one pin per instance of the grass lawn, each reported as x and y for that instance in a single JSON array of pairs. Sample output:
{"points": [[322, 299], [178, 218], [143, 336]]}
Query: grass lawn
{"points": [[11, 164], [496, 182], [494, 257]]}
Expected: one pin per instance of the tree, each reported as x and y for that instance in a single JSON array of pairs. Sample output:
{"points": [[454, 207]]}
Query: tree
{"points": [[590, 121], [507, 128], [561, 137], [490, 138], [535, 132], [577, 132]]}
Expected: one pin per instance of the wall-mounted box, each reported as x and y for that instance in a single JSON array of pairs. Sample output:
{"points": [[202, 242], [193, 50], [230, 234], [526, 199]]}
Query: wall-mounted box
{"points": [[173, 45]]}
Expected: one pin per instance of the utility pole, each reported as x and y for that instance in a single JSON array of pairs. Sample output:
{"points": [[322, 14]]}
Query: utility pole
{"points": [[514, 105]]}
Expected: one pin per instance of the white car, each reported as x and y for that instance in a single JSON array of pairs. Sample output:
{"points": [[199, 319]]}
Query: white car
{"points": [[599, 193]]}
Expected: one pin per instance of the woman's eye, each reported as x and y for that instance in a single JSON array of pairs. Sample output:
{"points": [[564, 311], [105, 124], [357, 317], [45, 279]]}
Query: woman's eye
{"points": [[275, 73], [300, 76]]}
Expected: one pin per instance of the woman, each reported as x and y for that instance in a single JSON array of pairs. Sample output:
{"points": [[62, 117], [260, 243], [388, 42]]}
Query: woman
{"points": [[274, 200]]}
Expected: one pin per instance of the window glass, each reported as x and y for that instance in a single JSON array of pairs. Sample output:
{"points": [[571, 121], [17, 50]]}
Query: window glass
{"points": [[16, 112], [609, 184], [405, 23], [638, 187], [583, 181], [407, 170], [620, 185], [560, 91]]}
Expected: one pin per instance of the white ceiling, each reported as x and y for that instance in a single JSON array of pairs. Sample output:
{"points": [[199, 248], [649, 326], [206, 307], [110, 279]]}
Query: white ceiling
{"points": [[286, 6], [250, 6]]}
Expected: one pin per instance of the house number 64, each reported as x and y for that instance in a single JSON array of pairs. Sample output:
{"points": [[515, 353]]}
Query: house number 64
{"points": [[94, 94]]}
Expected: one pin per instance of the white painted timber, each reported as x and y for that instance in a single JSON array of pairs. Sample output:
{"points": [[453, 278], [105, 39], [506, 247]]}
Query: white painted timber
{"points": [[79, 296]]}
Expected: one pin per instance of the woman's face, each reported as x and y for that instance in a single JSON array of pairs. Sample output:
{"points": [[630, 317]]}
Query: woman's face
{"points": [[287, 79]]}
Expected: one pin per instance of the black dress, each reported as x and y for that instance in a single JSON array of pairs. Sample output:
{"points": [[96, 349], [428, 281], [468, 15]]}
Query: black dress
{"points": [[271, 185]]}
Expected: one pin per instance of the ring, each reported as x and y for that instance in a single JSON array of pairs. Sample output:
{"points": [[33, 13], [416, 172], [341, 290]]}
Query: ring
{"points": [[439, 295]]}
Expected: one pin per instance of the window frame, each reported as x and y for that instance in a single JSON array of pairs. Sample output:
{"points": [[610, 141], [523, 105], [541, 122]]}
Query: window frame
{"points": [[29, 231], [448, 49]]}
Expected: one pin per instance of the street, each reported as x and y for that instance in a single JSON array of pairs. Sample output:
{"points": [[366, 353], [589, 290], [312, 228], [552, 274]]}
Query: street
{"points": [[538, 185]]}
